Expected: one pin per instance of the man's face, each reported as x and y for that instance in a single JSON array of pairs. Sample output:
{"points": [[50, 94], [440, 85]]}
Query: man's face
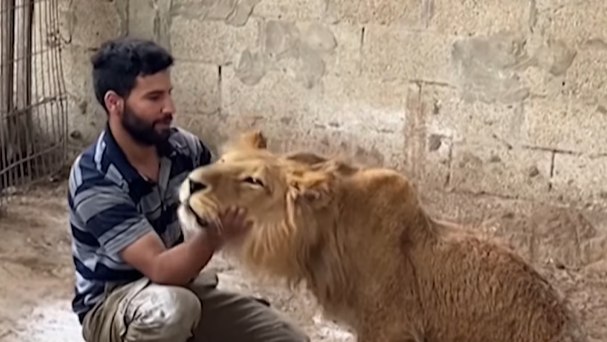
{"points": [[148, 111]]}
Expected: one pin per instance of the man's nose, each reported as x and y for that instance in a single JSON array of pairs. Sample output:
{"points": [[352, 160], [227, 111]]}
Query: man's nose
{"points": [[169, 106]]}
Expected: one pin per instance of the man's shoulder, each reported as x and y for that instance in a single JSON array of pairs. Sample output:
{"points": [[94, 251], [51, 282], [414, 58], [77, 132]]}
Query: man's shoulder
{"points": [[182, 138], [84, 166], [87, 172], [180, 132], [189, 143]]}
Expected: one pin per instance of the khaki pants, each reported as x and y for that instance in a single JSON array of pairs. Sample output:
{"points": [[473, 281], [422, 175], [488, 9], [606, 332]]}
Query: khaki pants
{"points": [[143, 311]]}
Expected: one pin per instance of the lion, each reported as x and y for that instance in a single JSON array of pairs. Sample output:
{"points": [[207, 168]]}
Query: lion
{"points": [[359, 240]]}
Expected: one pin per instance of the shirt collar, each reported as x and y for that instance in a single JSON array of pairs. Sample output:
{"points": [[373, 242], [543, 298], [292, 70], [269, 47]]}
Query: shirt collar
{"points": [[117, 156]]}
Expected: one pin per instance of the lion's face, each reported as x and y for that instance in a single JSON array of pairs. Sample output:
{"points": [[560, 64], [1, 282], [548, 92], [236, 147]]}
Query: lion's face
{"points": [[280, 194], [251, 180]]}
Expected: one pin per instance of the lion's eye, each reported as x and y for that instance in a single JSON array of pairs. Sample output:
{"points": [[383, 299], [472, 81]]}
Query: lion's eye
{"points": [[252, 180]]}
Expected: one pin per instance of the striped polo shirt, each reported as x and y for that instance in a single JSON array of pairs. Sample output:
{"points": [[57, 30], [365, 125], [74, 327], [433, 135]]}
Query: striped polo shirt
{"points": [[111, 205]]}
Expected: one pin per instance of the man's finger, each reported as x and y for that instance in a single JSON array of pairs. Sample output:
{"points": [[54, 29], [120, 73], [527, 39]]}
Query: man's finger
{"points": [[229, 213]]}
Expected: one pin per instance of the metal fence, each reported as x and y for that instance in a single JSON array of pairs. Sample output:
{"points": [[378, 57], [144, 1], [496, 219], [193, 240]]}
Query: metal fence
{"points": [[33, 108]]}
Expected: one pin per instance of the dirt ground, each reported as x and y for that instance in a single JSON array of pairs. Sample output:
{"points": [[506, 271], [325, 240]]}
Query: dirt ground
{"points": [[36, 279]]}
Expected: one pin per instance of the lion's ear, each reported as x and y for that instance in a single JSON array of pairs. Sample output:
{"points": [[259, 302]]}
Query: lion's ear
{"points": [[313, 188], [336, 166], [307, 158], [253, 139], [315, 162]]}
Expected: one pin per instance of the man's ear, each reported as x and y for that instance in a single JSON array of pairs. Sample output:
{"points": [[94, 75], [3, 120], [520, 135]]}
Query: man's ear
{"points": [[113, 102]]}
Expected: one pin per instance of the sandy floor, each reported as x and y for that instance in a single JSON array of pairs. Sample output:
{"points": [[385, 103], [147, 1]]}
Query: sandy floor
{"points": [[36, 279]]}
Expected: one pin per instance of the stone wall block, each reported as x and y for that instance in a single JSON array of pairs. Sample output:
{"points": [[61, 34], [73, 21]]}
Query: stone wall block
{"points": [[566, 125], [211, 41], [495, 170], [478, 17], [196, 87], [396, 52], [580, 180]]}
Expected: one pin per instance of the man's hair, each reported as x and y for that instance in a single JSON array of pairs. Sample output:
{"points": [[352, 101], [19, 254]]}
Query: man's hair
{"points": [[118, 63]]}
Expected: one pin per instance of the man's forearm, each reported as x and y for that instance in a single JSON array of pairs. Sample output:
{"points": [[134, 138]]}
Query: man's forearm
{"points": [[182, 263]]}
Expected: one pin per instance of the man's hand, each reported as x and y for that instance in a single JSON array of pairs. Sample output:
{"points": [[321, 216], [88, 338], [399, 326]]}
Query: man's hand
{"points": [[178, 265], [232, 224]]}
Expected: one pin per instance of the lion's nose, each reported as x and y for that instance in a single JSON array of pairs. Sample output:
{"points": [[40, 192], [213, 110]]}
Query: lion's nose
{"points": [[196, 186]]}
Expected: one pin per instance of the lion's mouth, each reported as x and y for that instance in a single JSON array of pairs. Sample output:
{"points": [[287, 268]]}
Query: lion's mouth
{"points": [[201, 221]]}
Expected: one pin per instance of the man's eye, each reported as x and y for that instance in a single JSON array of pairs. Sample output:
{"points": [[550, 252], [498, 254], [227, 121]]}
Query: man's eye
{"points": [[155, 96]]}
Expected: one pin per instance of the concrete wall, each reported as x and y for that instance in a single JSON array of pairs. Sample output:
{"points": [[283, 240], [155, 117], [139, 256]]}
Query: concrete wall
{"points": [[85, 24], [495, 108], [509, 105], [507, 98]]}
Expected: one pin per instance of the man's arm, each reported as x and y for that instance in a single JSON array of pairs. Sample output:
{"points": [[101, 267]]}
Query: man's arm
{"points": [[180, 264], [174, 266], [111, 216]]}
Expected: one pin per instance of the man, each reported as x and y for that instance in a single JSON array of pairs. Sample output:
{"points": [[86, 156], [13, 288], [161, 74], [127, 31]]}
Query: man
{"points": [[134, 270]]}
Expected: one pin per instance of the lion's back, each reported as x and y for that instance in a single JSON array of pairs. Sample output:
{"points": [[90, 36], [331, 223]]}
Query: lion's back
{"points": [[478, 290]]}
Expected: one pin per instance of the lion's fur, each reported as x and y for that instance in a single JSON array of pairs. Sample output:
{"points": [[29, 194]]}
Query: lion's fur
{"points": [[360, 241]]}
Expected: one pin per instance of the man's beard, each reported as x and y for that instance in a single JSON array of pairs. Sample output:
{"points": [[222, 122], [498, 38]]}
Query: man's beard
{"points": [[141, 131]]}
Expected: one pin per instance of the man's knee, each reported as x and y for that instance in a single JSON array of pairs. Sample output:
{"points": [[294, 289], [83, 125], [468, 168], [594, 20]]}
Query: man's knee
{"points": [[235, 317], [168, 311]]}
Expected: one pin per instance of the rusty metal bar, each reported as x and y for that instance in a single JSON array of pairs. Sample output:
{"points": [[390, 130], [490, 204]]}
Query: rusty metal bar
{"points": [[21, 123], [7, 51], [33, 108]]}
